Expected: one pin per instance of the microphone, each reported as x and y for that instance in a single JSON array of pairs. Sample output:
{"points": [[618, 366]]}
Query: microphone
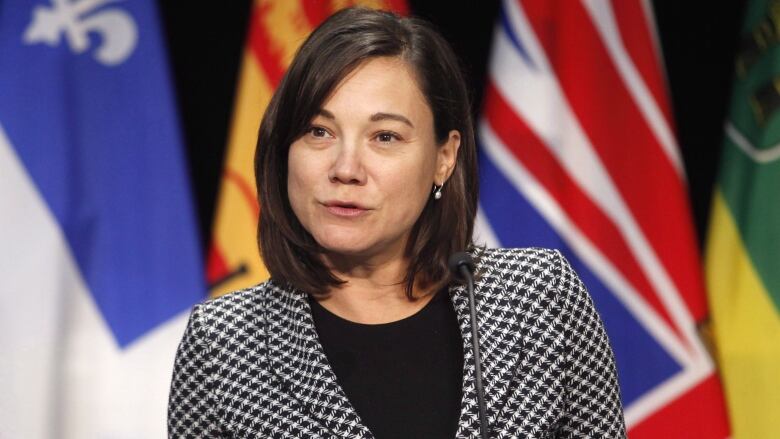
{"points": [[459, 262], [462, 266]]}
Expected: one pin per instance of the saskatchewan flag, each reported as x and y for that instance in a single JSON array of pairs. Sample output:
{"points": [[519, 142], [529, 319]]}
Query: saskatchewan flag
{"points": [[743, 254]]}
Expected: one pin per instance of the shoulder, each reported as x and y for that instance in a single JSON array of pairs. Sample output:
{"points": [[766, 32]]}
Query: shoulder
{"points": [[534, 274], [228, 327], [236, 311], [541, 264], [525, 273], [519, 255]]}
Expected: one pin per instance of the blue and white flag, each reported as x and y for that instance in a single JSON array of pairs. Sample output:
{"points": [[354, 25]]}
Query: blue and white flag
{"points": [[99, 259]]}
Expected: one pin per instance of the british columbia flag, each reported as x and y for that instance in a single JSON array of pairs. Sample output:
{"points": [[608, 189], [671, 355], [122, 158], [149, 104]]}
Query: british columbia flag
{"points": [[578, 152]]}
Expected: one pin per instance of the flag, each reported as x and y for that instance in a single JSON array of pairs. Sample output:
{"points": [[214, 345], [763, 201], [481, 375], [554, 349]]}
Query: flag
{"points": [[99, 259], [277, 28], [743, 245], [577, 152]]}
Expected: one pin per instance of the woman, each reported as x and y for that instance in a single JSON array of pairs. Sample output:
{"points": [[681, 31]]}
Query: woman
{"points": [[366, 174]]}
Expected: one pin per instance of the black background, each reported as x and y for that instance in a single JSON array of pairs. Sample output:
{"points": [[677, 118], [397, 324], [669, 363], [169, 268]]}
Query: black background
{"points": [[699, 41]]}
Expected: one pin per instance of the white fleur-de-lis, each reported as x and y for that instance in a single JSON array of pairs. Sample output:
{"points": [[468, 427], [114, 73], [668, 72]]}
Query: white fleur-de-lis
{"points": [[76, 19]]}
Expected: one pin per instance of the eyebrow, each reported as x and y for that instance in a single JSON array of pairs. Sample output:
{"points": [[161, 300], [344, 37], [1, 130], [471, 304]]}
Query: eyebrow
{"points": [[325, 113], [390, 116], [376, 117]]}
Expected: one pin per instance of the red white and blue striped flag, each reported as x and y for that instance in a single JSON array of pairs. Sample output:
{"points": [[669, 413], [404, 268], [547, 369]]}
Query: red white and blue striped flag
{"points": [[578, 152]]}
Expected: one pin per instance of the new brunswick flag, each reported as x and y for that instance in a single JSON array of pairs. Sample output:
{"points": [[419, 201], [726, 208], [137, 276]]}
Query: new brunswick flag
{"points": [[276, 30], [743, 255]]}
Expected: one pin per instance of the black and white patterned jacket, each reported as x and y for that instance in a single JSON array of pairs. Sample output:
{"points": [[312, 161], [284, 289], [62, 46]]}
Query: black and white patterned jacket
{"points": [[250, 363]]}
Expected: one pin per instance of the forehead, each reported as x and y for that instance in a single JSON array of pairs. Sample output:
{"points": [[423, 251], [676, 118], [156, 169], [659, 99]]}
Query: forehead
{"points": [[386, 84]]}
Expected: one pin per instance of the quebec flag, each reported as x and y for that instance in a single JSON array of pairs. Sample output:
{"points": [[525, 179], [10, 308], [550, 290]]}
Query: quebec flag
{"points": [[578, 153], [99, 259]]}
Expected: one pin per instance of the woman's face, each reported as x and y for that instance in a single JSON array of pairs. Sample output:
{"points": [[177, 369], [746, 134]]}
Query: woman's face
{"points": [[360, 176]]}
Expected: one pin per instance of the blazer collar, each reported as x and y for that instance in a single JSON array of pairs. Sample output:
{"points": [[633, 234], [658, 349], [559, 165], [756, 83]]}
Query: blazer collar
{"points": [[298, 359]]}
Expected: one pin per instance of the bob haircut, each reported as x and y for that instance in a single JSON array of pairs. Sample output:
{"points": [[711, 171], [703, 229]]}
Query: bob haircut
{"points": [[341, 43]]}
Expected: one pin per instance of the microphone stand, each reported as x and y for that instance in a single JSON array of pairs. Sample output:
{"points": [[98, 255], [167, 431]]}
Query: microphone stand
{"points": [[462, 265]]}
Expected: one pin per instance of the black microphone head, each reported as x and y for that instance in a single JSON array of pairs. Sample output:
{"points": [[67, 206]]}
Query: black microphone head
{"points": [[458, 260]]}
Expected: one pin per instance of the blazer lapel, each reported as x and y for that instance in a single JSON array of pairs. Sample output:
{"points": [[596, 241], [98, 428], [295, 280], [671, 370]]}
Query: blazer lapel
{"points": [[298, 359], [468, 423], [500, 345]]}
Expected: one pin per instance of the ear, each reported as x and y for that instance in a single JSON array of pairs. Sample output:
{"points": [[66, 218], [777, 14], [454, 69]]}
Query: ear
{"points": [[446, 158]]}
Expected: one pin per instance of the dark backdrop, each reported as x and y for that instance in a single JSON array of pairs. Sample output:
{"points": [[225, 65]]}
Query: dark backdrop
{"points": [[699, 40]]}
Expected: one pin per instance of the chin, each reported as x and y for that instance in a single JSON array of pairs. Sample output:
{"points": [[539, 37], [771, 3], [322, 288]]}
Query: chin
{"points": [[345, 248], [353, 242], [338, 238]]}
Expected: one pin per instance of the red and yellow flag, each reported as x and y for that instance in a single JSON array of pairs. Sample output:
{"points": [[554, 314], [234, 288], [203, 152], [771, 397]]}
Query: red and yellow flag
{"points": [[276, 29]]}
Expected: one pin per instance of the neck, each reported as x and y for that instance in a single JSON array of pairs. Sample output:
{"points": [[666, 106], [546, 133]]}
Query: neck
{"points": [[374, 291]]}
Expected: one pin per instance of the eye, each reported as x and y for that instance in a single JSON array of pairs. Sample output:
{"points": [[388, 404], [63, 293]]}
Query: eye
{"points": [[318, 132], [387, 136]]}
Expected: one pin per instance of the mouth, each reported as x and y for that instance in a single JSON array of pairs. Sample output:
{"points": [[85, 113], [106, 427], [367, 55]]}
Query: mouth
{"points": [[346, 209]]}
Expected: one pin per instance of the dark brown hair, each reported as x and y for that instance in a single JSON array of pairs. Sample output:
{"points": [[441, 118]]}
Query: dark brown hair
{"points": [[345, 40]]}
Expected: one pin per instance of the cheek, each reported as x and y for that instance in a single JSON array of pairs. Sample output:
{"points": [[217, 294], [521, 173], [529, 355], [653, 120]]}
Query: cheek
{"points": [[410, 190], [298, 183]]}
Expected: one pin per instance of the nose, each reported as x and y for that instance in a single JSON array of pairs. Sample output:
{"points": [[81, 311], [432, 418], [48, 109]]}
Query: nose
{"points": [[347, 167]]}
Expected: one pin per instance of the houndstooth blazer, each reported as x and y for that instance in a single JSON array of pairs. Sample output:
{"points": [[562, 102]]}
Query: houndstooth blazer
{"points": [[251, 365]]}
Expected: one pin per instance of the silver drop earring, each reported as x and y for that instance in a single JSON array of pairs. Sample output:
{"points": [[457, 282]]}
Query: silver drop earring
{"points": [[437, 192]]}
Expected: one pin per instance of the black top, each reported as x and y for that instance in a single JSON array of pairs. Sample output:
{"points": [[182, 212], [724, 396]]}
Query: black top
{"points": [[404, 378]]}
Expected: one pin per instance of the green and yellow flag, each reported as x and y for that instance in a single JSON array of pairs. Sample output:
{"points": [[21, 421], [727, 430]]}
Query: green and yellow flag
{"points": [[743, 248]]}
